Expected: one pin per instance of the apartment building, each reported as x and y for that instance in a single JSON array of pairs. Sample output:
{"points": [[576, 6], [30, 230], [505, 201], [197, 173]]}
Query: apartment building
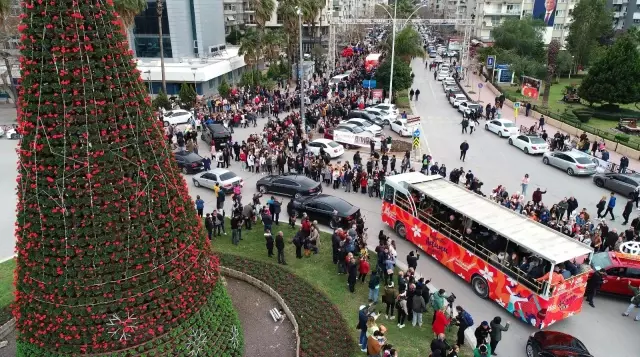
{"points": [[625, 14], [556, 15]]}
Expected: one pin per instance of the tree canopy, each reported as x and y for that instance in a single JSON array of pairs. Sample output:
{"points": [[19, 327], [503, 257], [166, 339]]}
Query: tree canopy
{"points": [[523, 37], [591, 24], [408, 43], [187, 96], [401, 74], [615, 76]]}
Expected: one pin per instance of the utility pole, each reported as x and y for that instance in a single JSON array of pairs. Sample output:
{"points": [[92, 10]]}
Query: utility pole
{"points": [[159, 11], [300, 71], [393, 49]]}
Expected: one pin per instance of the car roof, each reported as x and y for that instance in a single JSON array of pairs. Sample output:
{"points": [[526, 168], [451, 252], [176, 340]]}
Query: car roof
{"points": [[503, 120], [549, 339], [218, 171], [322, 140], [575, 154], [346, 124], [633, 176], [178, 111], [332, 200]]}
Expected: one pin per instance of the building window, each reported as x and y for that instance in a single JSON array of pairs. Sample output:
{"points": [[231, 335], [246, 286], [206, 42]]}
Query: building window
{"points": [[146, 30], [280, 21], [148, 46], [559, 13], [636, 21], [509, 8]]}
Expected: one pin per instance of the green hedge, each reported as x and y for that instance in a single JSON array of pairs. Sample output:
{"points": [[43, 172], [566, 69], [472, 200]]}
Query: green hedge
{"points": [[214, 322]]}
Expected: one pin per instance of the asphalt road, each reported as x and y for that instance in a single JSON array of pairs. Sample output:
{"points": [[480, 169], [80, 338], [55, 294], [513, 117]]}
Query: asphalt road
{"points": [[603, 330]]}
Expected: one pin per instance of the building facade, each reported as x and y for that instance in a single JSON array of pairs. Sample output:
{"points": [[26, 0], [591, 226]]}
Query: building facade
{"points": [[556, 15], [625, 14]]}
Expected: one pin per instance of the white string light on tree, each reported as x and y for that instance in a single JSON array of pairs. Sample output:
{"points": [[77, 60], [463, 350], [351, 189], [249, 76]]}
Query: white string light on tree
{"points": [[196, 343], [122, 328]]}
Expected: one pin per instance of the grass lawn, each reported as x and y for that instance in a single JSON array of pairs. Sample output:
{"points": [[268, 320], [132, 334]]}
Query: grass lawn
{"points": [[402, 101], [6, 289], [322, 274]]}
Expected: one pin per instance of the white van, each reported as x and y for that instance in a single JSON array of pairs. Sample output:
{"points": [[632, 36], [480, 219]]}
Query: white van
{"points": [[338, 79]]}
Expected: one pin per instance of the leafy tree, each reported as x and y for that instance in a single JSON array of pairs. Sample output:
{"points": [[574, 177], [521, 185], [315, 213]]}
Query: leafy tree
{"points": [[401, 74], [249, 47], [128, 9], [564, 63], [251, 78], [614, 77], [187, 96], [161, 101], [552, 63], [224, 88], [591, 23], [523, 37], [234, 37], [113, 262]]}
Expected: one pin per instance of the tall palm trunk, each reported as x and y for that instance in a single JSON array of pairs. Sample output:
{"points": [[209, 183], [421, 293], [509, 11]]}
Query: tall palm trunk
{"points": [[160, 8], [552, 59]]}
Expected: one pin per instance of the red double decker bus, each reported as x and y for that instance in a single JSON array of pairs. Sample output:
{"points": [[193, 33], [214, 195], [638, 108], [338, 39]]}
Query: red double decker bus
{"points": [[504, 255]]}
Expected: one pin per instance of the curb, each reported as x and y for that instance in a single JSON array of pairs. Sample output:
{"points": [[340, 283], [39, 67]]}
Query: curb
{"points": [[268, 290], [7, 328]]}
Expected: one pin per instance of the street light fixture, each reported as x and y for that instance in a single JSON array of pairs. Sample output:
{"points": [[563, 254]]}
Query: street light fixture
{"points": [[148, 73], [195, 88], [300, 70]]}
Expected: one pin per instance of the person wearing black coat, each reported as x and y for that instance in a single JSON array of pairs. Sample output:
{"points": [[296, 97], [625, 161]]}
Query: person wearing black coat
{"points": [[208, 224], [572, 205], [280, 247], [352, 277], [335, 247], [628, 208], [269, 240], [593, 285], [298, 241], [412, 259], [439, 346]]}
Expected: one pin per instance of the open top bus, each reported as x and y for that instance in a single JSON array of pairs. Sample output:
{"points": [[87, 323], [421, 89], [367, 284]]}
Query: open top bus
{"points": [[476, 239]]}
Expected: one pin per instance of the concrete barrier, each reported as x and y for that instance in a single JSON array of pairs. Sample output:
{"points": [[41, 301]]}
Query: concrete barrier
{"points": [[269, 291], [7, 328]]}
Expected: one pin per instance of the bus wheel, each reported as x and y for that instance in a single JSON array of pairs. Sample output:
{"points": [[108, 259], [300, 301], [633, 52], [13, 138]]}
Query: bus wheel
{"points": [[480, 286], [401, 230]]}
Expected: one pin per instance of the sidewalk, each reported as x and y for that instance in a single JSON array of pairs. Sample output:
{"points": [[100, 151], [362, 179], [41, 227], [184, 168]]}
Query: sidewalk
{"points": [[488, 94]]}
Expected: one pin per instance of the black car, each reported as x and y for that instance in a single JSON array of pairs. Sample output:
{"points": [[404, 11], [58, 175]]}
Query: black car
{"points": [[361, 114], [216, 133], [289, 185], [555, 344], [189, 162], [322, 207]]}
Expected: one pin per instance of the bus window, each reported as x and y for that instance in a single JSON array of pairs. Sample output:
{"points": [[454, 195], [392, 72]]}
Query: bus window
{"points": [[389, 191], [402, 201]]}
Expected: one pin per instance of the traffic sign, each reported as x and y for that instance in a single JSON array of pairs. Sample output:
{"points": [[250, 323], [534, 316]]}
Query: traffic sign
{"points": [[516, 105], [480, 85], [416, 133], [491, 61], [416, 143]]}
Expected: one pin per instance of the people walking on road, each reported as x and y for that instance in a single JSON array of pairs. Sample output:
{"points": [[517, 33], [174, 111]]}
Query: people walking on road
{"points": [[464, 147], [496, 333], [541, 123], [411, 93], [527, 109], [602, 204], [417, 94], [464, 124], [593, 285], [635, 302], [524, 183], [472, 125], [537, 196], [412, 259], [628, 208], [610, 206], [199, 205]]}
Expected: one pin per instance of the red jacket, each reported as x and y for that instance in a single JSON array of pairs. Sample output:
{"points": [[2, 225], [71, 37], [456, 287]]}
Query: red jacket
{"points": [[306, 226], [363, 182], [440, 322], [364, 267]]}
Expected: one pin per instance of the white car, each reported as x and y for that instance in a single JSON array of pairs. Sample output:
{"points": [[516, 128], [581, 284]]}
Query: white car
{"points": [[400, 127], [177, 116], [530, 144], [367, 126], [330, 147], [442, 75], [389, 108], [456, 99], [225, 178], [468, 107], [384, 115], [448, 83], [503, 127]]}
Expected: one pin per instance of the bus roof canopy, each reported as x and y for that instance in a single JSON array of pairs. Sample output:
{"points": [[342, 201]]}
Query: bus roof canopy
{"points": [[517, 228]]}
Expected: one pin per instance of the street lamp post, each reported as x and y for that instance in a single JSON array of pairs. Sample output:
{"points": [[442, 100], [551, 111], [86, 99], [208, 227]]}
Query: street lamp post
{"points": [[300, 70], [148, 73], [159, 12], [195, 88]]}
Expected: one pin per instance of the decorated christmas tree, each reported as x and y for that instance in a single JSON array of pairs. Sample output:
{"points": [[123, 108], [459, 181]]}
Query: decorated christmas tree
{"points": [[111, 256]]}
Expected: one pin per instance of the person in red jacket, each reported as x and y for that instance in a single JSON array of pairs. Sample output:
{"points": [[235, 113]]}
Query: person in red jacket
{"points": [[363, 183], [363, 269], [439, 323], [306, 226]]}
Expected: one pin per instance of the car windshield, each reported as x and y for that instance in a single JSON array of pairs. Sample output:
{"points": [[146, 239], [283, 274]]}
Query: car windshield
{"points": [[357, 129], [508, 125], [364, 123], [537, 141], [192, 157], [333, 144], [384, 112], [339, 204], [583, 160], [227, 176], [601, 260]]}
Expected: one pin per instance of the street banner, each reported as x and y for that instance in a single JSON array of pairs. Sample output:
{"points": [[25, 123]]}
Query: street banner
{"points": [[545, 10], [531, 87], [376, 93], [345, 137]]}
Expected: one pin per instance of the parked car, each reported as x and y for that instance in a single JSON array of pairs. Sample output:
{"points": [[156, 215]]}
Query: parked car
{"points": [[452, 92], [225, 178], [330, 147], [384, 115], [502, 127], [322, 207], [618, 182], [468, 107], [289, 185], [352, 128], [188, 162], [447, 82], [442, 75], [446, 89], [620, 270], [455, 100], [176, 116], [389, 108], [555, 344], [400, 127], [361, 114], [372, 128], [216, 133], [572, 163], [530, 144]]}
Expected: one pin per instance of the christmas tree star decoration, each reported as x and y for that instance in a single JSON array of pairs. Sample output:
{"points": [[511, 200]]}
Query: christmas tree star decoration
{"points": [[235, 336], [196, 342], [122, 328]]}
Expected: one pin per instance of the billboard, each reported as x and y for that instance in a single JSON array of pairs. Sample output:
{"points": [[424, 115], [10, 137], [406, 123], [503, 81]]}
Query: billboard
{"points": [[545, 10], [531, 87]]}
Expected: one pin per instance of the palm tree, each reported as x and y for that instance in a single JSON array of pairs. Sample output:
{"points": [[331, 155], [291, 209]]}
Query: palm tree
{"points": [[310, 11], [552, 65], [264, 10], [287, 10], [273, 41], [5, 8], [249, 44], [159, 12], [408, 44], [128, 10]]}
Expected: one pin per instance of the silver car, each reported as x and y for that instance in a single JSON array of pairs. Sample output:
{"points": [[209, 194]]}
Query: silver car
{"points": [[571, 162], [624, 184], [225, 178]]}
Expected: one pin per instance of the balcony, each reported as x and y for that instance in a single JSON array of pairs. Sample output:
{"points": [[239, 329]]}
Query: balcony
{"points": [[619, 14], [494, 12], [620, 2]]}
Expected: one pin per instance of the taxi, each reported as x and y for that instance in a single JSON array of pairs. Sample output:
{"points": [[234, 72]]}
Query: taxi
{"points": [[620, 269]]}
